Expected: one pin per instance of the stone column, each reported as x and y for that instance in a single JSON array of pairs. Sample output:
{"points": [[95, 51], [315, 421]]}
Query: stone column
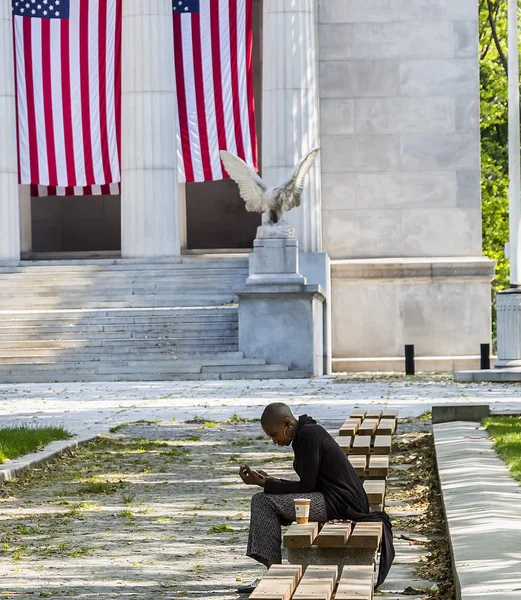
{"points": [[26, 225], [9, 212], [290, 107], [149, 200]]}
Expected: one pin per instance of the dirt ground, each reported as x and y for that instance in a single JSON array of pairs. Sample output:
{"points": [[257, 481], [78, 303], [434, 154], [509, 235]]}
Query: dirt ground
{"points": [[157, 511]]}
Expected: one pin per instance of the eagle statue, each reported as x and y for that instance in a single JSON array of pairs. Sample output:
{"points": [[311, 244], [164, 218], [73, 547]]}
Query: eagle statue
{"points": [[258, 196]]}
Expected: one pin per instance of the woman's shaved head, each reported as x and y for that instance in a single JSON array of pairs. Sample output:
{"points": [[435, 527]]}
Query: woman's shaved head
{"points": [[275, 413]]}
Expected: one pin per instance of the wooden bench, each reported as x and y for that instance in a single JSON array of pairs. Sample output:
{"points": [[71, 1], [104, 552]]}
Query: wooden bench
{"points": [[319, 582], [279, 583], [350, 427], [359, 463], [300, 536], [375, 490], [358, 535], [368, 426], [378, 466]]}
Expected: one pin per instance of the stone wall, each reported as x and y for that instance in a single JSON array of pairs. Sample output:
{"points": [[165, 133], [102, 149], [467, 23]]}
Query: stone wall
{"points": [[401, 195], [399, 87]]}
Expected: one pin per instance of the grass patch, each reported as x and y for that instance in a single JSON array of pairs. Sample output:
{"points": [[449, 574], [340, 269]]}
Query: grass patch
{"points": [[24, 439], [236, 420], [506, 433], [220, 529], [97, 486], [426, 415]]}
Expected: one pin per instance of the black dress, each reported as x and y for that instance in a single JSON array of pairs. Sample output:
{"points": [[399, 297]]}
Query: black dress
{"points": [[323, 467]]}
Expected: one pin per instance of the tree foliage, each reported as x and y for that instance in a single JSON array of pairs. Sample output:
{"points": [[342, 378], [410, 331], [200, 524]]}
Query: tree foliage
{"points": [[494, 133]]}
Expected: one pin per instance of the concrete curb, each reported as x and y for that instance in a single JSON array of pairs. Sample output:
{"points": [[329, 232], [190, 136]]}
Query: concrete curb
{"points": [[481, 504], [14, 468]]}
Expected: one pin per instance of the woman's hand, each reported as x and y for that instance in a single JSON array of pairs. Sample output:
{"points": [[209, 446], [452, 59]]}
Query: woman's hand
{"points": [[251, 477], [266, 476]]}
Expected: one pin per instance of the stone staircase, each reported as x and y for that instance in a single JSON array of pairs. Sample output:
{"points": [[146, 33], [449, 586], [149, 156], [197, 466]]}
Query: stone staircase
{"points": [[120, 320]]}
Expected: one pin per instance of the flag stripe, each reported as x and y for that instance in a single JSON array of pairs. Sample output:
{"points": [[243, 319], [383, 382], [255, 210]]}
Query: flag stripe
{"points": [[85, 89], [181, 100], [31, 113], [249, 75], [47, 101], [217, 75], [209, 89], [102, 92], [199, 92], [66, 102], [17, 111], [57, 123], [235, 78], [39, 109], [227, 89]]}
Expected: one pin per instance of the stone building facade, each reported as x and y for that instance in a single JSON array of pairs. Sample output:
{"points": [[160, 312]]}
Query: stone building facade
{"points": [[390, 91]]}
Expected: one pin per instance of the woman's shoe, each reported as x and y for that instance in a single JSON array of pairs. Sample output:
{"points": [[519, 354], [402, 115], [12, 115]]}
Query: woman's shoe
{"points": [[248, 589]]}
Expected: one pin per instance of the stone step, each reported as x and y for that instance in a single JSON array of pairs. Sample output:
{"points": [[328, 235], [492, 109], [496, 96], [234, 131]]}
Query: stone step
{"points": [[186, 262], [208, 362], [239, 368], [82, 331], [38, 358], [132, 302], [76, 376], [126, 345], [111, 326], [131, 315], [170, 337]]}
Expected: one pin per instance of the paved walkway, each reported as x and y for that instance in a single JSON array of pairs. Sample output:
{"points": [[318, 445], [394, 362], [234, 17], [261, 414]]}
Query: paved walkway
{"points": [[482, 508], [85, 407]]}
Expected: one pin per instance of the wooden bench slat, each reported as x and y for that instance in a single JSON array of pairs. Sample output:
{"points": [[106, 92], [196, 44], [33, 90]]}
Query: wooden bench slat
{"points": [[345, 442], [368, 427], [375, 490], [350, 427], [390, 413], [361, 445], [359, 464], [373, 414], [318, 583], [279, 583], [334, 535], [386, 427], [366, 535], [356, 583], [382, 444], [378, 466], [301, 536], [360, 414]]}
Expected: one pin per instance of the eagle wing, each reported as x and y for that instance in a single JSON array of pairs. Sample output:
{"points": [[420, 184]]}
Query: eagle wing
{"points": [[291, 192], [251, 186]]}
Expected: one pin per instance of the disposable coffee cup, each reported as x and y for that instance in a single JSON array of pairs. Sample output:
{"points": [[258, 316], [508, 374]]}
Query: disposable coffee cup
{"points": [[302, 510]]}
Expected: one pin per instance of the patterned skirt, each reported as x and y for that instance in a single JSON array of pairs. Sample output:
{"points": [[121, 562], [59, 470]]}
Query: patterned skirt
{"points": [[268, 513]]}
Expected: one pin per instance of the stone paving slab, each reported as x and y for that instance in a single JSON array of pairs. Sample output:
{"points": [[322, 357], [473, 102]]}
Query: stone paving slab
{"points": [[95, 407], [482, 505]]}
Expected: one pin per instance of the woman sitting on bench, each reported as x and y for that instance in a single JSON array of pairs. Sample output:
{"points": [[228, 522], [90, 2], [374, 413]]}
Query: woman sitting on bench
{"points": [[327, 478]]}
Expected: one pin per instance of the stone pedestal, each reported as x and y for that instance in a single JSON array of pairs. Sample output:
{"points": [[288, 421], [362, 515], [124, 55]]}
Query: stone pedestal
{"points": [[275, 257], [149, 198], [290, 119], [9, 210], [281, 318]]}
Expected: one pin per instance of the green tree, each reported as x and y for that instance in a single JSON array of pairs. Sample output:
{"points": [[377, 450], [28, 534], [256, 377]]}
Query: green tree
{"points": [[494, 136]]}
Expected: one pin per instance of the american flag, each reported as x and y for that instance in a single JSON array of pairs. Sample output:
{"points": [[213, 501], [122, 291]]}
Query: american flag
{"points": [[68, 78], [213, 53]]}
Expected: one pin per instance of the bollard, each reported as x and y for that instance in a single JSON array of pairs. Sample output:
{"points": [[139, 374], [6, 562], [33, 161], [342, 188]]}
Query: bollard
{"points": [[410, 368], [485, 357]]}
